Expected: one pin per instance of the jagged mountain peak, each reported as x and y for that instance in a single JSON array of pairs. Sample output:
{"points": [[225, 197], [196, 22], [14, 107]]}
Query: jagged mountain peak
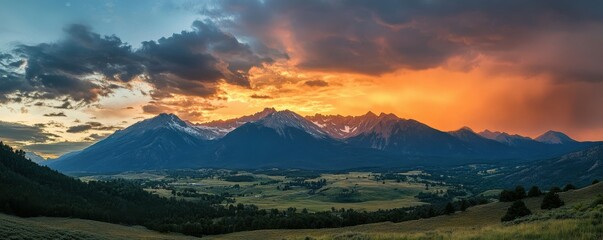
{"points": [[370, 114], [230, 124], [465, 129], [554, 137], [279, 120]]}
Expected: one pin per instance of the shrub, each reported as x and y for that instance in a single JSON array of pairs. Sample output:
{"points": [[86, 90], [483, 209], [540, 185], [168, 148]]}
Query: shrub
{"points": [[449, 209], [534, 192], [512, 195], [520, 192], [506, 196], [595, 181], [516, 210], [555, 189], [568, 187], [551, 200]]}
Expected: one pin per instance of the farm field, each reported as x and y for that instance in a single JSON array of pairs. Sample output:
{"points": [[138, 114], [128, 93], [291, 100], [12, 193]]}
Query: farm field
{"points": [[363, 191]]}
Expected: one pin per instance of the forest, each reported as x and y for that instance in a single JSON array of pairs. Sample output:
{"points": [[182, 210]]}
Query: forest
{"points": [[29, 190]]}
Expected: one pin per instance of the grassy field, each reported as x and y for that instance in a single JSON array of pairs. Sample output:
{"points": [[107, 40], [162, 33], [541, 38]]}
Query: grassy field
{"points": [[370, 195], [12, 227], [482, 221], [363, 191]]}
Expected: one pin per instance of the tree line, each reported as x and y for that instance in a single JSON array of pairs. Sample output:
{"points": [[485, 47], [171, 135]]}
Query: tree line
{"points": [[29, 190]]}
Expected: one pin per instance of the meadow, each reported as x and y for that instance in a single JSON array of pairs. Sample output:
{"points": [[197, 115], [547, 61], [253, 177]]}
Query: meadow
{"points": [[578, 219], [363, 191], [479, 222]]}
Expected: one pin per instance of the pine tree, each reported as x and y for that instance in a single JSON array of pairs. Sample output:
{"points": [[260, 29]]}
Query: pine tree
{"points": [[534, 192], [464, 205], [449, 208], [568, 187], [516, 210], [551, 200], [520, 192]]}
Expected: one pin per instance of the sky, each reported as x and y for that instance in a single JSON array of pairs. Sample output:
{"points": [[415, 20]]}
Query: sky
{"points": [[73, 72]]}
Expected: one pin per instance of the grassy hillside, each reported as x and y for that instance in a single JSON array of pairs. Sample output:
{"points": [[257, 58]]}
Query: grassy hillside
{"points": [[12, 227], [484, 219], [481, 222]]}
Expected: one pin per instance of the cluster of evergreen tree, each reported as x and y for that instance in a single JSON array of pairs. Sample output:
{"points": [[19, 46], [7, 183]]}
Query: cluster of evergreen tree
{"points": [[516, 210], [28, 190]]}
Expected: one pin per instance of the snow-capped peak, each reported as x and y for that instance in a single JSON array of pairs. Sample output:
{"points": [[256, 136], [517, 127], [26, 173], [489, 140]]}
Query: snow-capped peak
{"points": [[553, 137], [282, 119], [169, 121]]}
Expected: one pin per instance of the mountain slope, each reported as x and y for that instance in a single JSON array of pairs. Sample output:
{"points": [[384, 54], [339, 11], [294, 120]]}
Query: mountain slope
{"points": [[553, 137], [285, 139], [407, 136], [222, 127], [35, 157], [481, 145], [578, 168], [341, 127], [161, 142]]}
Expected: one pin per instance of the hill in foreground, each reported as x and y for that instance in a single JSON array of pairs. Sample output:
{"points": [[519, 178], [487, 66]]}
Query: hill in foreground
{"points": [[482, 219], [476, 223]]}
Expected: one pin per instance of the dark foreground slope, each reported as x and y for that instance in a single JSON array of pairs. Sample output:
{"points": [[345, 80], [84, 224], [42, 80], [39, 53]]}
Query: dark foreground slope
{"points": [[51, 228], [30, 190]]}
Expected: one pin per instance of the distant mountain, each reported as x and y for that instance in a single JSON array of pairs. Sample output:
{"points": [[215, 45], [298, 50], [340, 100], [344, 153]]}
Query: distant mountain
{"points": [[553, 137], [164, 141], [407, 136], [35, 157], [222, 127], [481, 145], [578, 168], [341, 127], [284, 139], [508, 139]]}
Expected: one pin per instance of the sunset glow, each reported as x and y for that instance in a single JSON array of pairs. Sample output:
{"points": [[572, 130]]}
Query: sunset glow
{"points": [[470, 65]]}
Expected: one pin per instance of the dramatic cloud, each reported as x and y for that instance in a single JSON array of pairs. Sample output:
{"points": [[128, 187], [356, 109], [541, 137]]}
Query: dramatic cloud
{"points": [[317, 83], [95, 137], [58, 114], [257, 96], [91, 126], [376, 37], [79, 128], [16, 132], [85, 65]]}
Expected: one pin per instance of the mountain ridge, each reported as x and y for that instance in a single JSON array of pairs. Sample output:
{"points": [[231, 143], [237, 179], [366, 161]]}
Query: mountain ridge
{"points": [[283, 139]]}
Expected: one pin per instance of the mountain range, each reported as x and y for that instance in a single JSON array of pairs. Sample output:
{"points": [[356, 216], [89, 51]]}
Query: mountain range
{"points": [[285, 139]]}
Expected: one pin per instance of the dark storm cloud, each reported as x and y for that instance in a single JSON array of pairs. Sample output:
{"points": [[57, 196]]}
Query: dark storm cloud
{"points": [[16, 132], [316, 83], [189, 63], [375, 37], [79, 128], [95, 137], [58, 114], [57, 148], [91, 126]]}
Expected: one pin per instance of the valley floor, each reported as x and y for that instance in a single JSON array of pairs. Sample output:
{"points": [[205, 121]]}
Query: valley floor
{"points": [[480, 222]]}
